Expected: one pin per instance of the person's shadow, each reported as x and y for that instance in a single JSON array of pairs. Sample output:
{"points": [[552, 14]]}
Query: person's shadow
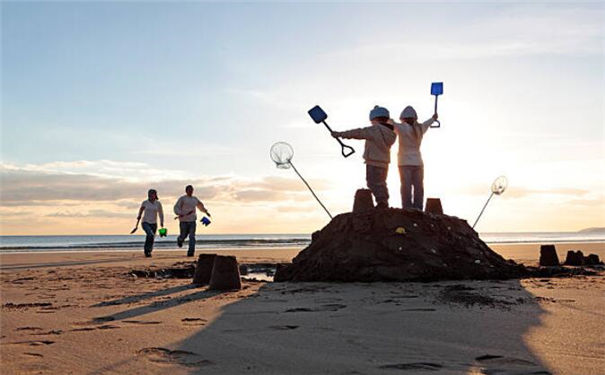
{"points": [[367, 328]]}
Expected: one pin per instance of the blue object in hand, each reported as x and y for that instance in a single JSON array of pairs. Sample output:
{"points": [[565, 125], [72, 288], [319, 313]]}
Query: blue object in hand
{"points": [[437, 88], [317, 114], [205, 221]]}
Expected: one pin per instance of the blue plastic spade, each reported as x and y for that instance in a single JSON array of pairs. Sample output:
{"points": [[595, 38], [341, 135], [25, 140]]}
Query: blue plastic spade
{"points": [[319, 116], [436, 89]]}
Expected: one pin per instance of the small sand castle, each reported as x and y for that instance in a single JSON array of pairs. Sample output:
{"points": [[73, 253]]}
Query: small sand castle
{"points": [[392, 244]]}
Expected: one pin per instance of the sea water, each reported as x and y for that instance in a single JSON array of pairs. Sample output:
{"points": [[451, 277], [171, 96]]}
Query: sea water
{"points": [[240, 241], [129, 242]]}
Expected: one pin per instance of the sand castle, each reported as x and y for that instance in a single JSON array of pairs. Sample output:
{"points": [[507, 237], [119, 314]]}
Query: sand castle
{"points": [[392, 244]]}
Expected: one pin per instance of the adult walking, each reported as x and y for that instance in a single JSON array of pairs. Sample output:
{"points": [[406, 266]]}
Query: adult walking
{"points": [[150, 210], [411, 167], [185, 210]]}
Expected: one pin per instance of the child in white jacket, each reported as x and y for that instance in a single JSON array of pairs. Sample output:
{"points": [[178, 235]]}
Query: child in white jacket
{"points": [[411, 166], [379, 139]]}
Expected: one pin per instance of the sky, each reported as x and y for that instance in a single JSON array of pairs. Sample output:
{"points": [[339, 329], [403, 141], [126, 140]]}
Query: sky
{"points": [[101, 101]]}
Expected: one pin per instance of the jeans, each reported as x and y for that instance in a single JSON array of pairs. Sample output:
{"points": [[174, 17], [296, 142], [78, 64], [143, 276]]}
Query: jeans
{"points": [[412, 176], [150, 232], [188, 229], [376, 177]]}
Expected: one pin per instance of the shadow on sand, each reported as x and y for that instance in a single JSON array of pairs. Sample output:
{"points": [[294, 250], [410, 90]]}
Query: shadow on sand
{"points": [[463, 327], [156, 305], [26, 266]]}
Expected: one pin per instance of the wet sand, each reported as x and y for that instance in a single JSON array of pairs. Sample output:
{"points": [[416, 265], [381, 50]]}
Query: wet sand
{"points": [[83, 313]]}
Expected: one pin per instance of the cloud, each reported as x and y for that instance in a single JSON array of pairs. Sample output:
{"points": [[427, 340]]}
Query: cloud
{"points": [[129, 204], [259, 195], [591, 203], [36, 203], [100, 168], [516, 31], [42, 185], [299, 208], [5, 213], [286, 184], [522, 192], [91, 213]]}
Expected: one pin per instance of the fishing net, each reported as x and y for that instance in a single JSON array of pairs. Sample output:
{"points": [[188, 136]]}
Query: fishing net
{"points": [[282, 153], [499, 185]]}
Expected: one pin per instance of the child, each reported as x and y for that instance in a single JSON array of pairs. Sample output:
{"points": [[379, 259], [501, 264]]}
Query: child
{"points": [[185, 209], [150, 210], [379, 139], [411, 167]]}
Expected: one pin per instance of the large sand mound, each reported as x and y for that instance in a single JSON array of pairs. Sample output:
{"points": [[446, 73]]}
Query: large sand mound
{"points": [[395, 244]]}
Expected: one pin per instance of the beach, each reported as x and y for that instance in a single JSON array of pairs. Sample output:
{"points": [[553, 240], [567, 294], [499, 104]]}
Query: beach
{"points": [[86, 313]]}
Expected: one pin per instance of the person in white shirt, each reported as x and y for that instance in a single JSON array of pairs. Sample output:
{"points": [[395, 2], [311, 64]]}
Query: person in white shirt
{"points": [[411, 166], [377, 155], [185, 209], [151, 209]]}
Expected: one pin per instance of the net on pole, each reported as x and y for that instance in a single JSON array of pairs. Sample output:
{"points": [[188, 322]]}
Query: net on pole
{"points": [[281, 154], [498, 187]]}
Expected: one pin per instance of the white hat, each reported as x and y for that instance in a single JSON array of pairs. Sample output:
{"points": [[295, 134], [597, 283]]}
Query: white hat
{"points": [[409, 112]]}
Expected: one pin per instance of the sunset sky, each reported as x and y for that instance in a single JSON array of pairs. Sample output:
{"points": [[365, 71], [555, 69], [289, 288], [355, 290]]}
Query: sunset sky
{"points": [[102, 101]]}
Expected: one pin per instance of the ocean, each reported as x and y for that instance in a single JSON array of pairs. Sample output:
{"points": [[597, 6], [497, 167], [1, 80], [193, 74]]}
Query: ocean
{"points": [[10, 244]]}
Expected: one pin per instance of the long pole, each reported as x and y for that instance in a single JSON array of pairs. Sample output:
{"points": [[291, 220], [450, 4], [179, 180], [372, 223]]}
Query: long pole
{"points": [[311, 190], [485, 205]]}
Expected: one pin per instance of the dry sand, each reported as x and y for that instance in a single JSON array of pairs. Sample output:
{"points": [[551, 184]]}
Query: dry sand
{"points": [[82, 313]]}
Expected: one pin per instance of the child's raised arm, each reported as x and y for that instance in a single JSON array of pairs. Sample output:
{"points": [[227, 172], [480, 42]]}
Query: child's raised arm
{"points": [[361, 133], [427, 124]]}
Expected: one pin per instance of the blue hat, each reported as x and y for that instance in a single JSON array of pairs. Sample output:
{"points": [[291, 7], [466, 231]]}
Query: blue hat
{"points": [[379, 112]]}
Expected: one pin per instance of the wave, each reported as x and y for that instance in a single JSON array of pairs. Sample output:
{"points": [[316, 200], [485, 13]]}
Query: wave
{"points": [[125, 242], [215, 243]]}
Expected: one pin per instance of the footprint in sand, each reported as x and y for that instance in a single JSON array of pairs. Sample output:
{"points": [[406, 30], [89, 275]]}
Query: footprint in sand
{"points": [[24, 306], [108, 326], [326, 300], [33, 342], [413, 366], [172, 357], [142, 322], [284, 327], [500, 364], [83, 329], [104, 326], [28, 329], [101, 319], [194, 321], [504, 360], [51, 332], [36, 355], [328, 307]]}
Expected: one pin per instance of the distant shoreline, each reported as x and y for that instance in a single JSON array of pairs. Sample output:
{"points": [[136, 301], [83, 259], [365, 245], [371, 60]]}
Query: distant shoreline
{"points": [[118, 249]]}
